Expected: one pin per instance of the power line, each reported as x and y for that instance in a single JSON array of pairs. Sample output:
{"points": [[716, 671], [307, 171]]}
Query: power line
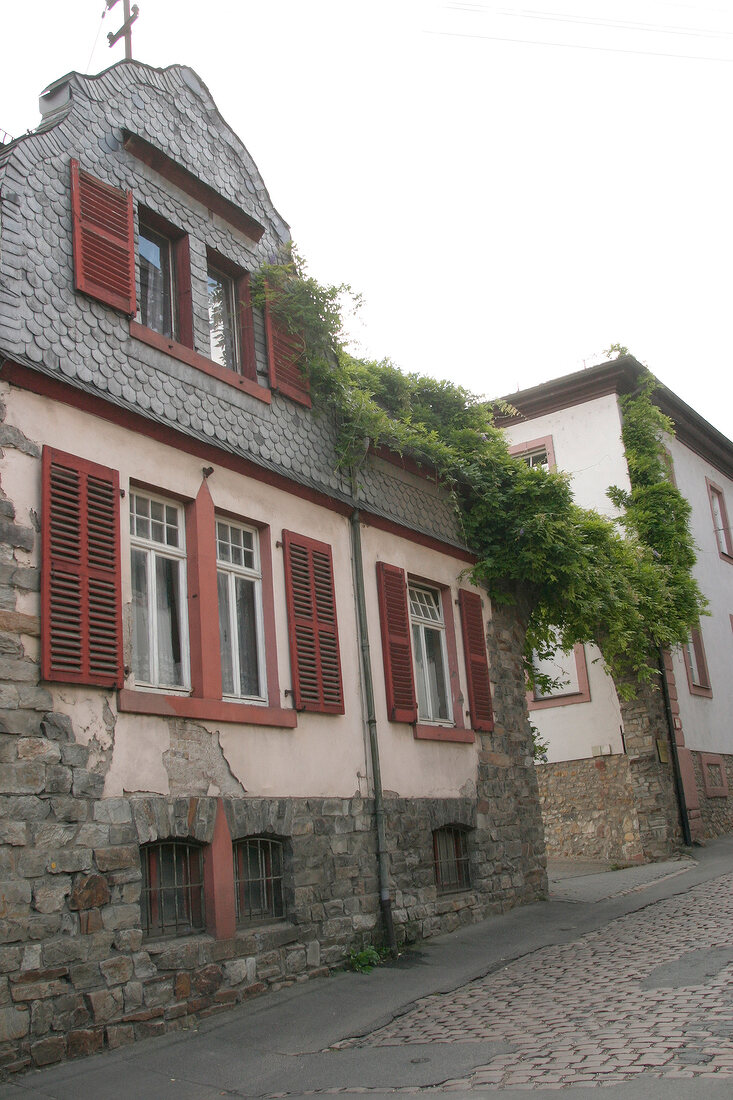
{"points": [[579, 46], [617, 24]]}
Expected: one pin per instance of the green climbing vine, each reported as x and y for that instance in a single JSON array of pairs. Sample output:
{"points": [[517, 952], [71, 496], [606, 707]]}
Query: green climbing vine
{"points": [[579, 576]]}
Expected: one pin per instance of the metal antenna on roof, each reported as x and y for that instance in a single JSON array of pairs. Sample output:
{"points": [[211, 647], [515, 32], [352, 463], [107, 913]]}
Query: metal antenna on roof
{"points": [[125, 29]]}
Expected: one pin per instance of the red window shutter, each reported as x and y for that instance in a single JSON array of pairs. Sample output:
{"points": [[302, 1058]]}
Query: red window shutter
{"points": [[104, 241], [81, 624], [286, 355], [477, 664], [314, 644], [396, 643]]}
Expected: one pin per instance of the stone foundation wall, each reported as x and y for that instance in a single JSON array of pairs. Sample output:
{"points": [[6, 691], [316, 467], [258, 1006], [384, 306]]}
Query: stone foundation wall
{"points": [[76, 971], [716, 810], [588, 810]]}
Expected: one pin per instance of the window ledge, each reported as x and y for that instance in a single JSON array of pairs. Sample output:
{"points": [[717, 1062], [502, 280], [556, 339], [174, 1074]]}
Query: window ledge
{"points": [[424, 732], [200, 362], [698, 689], [725, 556], [213, 710], [559, 700]]}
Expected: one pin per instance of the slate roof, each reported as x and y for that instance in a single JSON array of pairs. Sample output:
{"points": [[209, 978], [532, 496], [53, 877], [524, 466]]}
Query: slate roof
{"points": [[46, 325]]}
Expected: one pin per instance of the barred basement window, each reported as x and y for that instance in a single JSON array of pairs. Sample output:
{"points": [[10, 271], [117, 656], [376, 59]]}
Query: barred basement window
{"points": [[172, 899], [450, 855], [258, 879]]}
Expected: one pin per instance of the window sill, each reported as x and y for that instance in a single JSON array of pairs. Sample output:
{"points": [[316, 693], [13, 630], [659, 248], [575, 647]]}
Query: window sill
{"points": [[725, 556], [213, 710], [698, 689], [424, 732], [200, 362], [559, 700]]}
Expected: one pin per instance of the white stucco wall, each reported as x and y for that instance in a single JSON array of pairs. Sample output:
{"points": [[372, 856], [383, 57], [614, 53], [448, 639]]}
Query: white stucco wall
{"points": [[707, 723], [572, 728], [587, 443], [325, 754]]}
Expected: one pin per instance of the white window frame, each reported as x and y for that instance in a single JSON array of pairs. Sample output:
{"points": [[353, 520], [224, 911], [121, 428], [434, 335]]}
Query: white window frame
{"points": [[254, 573], [229, 313], [437, 624], [154, 549]]}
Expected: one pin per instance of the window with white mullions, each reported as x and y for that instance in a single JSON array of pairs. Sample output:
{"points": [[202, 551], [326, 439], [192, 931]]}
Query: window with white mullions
{"points": [[429, 654], [239, 584], [159, 626]]}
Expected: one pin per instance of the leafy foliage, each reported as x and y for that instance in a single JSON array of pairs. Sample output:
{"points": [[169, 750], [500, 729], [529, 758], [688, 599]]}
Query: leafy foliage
{"points": [[364, 961], [577, 575]]}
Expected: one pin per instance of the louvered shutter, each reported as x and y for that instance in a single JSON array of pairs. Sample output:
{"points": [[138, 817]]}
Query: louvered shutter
{"points": [[104, 241], [286, 356], [477, 664], [314, 643], [396, 643], [81, 628]]}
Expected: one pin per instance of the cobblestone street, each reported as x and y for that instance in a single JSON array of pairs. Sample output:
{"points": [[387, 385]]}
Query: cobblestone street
{"points": [[650, 993]]}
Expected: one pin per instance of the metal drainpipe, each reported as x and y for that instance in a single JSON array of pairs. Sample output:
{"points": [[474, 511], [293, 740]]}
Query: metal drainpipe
{"points": [[679, 787], [385, 899]]}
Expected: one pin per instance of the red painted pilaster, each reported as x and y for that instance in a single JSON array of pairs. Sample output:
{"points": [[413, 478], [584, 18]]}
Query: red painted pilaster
{"points": [[219, 880], [203, 599]]}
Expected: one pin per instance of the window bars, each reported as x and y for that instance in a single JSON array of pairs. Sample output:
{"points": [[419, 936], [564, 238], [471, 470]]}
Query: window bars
{"points": [[258, 880]]}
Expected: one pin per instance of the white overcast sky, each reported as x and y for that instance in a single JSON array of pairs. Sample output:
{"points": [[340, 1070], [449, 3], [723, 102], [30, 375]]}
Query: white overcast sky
{"points": [[512, 187]]}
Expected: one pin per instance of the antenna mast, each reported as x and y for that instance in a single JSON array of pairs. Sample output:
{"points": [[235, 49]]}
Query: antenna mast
{"points": [[125, 29]]}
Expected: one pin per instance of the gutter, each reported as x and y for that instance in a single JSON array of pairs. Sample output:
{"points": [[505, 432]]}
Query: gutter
{"points": [[678, 784], [385, 899]]}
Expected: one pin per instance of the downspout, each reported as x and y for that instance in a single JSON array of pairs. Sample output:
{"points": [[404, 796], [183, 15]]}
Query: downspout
{"points": [[679, 786], [385, 899]]}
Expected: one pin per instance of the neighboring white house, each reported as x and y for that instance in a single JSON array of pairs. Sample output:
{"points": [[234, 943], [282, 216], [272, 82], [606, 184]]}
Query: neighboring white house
{"points": [[590, 806]]}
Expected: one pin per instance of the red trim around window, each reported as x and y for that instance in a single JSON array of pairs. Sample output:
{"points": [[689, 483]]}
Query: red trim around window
{"points": [[200, 362], [81, 620], [582, 695], [703, 688], [723, 536], [103, 237], [182, 305], [543, 441], [205, 701], [713, 789]]}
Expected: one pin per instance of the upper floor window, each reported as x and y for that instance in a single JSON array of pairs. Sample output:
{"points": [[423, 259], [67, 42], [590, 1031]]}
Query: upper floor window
{"points": [[721, 523], [239, 587], [429, 651], [157, 294], [223, 334], [696, 665], [537, 458], [536, 453], [158, 558]]}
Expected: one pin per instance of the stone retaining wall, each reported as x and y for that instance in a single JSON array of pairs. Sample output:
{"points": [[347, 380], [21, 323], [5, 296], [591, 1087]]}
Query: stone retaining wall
{"points": [[588, 810], [717, 809]]}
